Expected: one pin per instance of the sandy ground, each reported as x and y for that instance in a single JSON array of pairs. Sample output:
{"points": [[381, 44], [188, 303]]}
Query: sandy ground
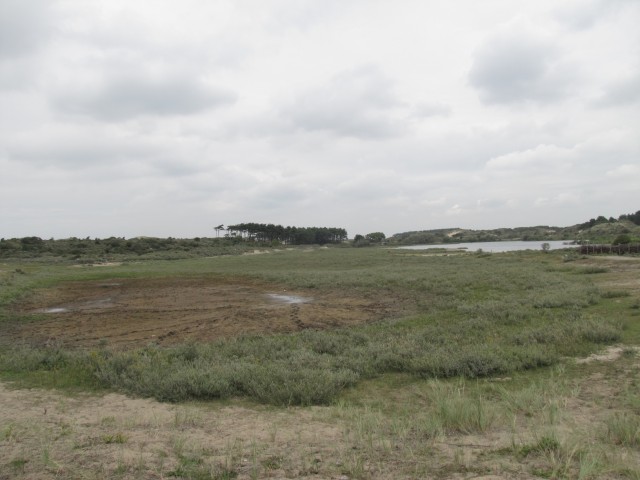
{"points": [[126, 312], [624, 272], [49, 435], [609, 354]]}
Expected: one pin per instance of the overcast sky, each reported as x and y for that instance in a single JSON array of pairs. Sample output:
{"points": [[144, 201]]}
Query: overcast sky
{"points": [[167, 118]]}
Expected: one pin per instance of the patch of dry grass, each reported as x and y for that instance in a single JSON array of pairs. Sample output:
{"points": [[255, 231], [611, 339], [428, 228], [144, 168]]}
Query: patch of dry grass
{"points": [[565, 422]]}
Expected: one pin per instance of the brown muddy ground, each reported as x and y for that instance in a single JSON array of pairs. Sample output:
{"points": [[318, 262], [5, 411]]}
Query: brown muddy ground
{"points": [[134, 312]]}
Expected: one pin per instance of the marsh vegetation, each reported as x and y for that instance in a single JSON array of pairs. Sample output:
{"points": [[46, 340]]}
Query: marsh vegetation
{"points": [[463, 349]]}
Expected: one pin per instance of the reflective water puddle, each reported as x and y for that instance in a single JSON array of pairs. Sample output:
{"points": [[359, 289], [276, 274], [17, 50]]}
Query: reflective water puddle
{"points": [[54, 310], [288, 298], [97, 304]]}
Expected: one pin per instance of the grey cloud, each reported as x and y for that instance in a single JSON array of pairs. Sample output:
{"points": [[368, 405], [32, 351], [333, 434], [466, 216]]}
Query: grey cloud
{"points": [[304, 14], [88, 151], [426, 110], [18, 73], [582, 15], [128, 97], [357, 189], [24, 26], [357, 103], [623, 92], [517, 66], [83, 150], [279, 197]]}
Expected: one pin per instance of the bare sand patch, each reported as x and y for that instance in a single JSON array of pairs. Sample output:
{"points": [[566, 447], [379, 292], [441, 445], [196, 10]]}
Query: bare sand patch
{"points": [[623, 272], [103, 264], [48, 435], [611, 353]]}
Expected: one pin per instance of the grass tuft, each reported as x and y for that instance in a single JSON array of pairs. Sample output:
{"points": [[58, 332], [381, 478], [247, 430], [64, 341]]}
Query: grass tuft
{"points": [[623, 429], [592, 270], [116, 438]]}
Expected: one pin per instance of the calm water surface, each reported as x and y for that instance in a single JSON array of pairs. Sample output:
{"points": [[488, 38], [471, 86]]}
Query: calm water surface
{"points": [[496, 247]]}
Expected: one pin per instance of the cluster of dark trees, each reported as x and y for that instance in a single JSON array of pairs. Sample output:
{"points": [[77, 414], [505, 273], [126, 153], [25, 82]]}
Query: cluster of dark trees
{"points": [[632, 217], [261, 232], [373, 238]]}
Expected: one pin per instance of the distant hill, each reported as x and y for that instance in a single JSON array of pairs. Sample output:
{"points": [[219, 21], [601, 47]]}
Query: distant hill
{"points": [[599, 230]]}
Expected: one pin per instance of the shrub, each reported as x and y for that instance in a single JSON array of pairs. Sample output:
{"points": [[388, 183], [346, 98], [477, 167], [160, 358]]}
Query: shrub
{"points": [[600, 332], [622, 239], [290, 385]]}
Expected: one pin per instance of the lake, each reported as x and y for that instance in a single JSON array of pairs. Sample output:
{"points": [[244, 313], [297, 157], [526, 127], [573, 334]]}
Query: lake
{"points": [[496, 247]]}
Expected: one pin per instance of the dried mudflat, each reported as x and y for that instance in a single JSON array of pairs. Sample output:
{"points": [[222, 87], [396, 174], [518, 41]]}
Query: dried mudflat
{"points": [[172, 310]]}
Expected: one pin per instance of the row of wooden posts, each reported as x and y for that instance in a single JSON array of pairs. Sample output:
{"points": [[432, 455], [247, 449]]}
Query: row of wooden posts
{"points": [[617, 249]]}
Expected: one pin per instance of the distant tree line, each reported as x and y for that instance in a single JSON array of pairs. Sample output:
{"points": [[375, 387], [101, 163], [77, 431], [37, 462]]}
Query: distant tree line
{"points": [[261, 232], [607, 231], [28, 247], [458, 235], [238, 237]]}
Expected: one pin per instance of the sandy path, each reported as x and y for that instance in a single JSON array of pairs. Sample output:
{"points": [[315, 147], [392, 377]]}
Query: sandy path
{"points": [[44, 434]]}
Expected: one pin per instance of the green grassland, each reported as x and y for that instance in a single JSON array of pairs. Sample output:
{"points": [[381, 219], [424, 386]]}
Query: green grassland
{"points": [[473, 375], [469, 315]]}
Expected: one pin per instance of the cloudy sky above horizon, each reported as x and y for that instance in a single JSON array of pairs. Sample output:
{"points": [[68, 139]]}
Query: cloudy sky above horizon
{"points": [[166, 118]]}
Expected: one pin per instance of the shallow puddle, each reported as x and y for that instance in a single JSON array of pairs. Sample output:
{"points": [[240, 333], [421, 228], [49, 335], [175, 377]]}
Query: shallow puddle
{"points": [[288, 298], [98, 304], [54, 310]]}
